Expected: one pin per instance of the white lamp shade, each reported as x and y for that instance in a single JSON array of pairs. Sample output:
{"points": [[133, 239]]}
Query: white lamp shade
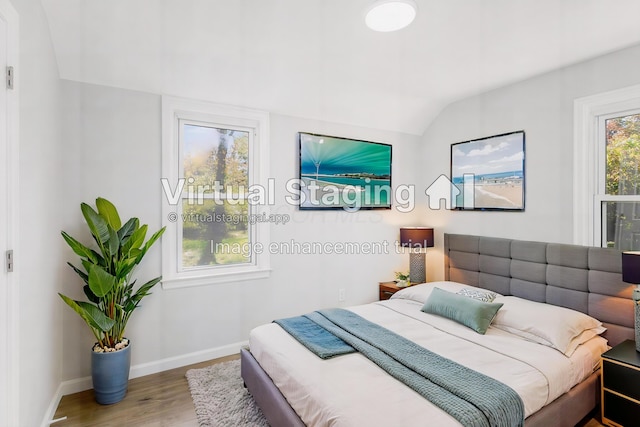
{"points": [[390, 15]]}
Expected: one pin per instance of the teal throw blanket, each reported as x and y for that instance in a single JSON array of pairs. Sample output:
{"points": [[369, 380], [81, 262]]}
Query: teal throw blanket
{"points": [[317, 339]]}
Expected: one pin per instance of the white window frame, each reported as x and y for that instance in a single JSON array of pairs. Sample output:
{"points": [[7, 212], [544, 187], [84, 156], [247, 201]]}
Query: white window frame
{"points": [[588, 159], [175, 110]]}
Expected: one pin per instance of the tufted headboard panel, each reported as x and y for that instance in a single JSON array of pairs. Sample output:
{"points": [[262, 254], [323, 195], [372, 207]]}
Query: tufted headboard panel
{"points": [[582, 278]]}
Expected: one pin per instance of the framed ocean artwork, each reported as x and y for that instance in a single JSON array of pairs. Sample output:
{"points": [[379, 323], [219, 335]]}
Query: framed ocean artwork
{"points": [[343, 173], [489, 173]]}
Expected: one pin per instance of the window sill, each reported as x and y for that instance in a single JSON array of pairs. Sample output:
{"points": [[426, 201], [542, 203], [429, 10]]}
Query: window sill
{"points": [[214, 279]]}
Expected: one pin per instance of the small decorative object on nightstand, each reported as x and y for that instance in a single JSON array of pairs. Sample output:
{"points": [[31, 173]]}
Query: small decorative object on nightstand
{"points": [[387, 289], [631, 274], [402, 279], [620, 392]]}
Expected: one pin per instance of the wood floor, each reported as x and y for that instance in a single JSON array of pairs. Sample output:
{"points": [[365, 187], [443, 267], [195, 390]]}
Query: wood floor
{"points": [[158, 400]]}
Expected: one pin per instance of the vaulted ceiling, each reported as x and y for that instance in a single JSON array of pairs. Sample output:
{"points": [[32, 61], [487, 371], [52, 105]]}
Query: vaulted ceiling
{"points": [[317, 59]]}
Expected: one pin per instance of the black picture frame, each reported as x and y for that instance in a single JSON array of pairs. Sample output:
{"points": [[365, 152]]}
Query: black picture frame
{"points": [[488, 174]]}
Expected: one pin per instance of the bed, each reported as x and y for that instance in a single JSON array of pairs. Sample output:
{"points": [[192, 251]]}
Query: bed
{"points": [[349, 390]]}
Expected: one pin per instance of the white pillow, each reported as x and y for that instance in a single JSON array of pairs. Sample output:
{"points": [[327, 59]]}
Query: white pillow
{"points": [[558, 327], [420, 293], [583, 338], [479, 294]]}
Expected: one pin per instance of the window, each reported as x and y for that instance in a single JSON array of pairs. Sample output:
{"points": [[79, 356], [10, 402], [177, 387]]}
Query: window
{"points": [[618, 195], [213, 184], [607, 175]]}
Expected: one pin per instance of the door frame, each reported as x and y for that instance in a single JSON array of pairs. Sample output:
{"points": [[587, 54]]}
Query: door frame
{"points": [[10, 224]]}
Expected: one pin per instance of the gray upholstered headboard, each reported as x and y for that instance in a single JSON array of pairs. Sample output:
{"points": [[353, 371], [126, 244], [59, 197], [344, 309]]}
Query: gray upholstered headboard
{"points": [[583, 278]]}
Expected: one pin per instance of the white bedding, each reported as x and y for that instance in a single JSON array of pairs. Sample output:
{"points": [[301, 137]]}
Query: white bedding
{"points": [[350, 390]]}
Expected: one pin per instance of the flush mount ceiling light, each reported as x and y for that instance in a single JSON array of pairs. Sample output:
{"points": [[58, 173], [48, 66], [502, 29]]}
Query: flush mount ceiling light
{"points": [[390, 15]]}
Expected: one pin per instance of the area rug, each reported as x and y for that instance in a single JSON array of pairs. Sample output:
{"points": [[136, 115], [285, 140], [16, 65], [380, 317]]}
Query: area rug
{"points": [[220, 398]]}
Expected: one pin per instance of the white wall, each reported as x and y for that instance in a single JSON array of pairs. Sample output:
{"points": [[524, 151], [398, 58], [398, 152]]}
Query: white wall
{"points": [[543, 107], [40, 260], [112, 141]]}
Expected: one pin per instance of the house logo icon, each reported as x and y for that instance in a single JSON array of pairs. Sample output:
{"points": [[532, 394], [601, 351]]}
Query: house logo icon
{"points": [[443, 189]]}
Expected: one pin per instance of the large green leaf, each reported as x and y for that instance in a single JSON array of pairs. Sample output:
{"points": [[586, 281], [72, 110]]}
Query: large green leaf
{"points": [[150, 242], [96, 223], [127, 229], [99, 318], [108, 212], [136, 240], [100, 281], [114, 242], [87, 266], [79, 248], [90, 314], [125, 266], [155, 237]]}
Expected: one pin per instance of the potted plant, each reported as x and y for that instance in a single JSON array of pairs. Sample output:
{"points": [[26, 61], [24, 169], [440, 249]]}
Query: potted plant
{"points": [[110, 290], [402, 279]]}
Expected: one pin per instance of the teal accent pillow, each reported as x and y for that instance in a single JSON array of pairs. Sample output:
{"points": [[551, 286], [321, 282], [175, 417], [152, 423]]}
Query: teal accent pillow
{"points": [[469, 312]]}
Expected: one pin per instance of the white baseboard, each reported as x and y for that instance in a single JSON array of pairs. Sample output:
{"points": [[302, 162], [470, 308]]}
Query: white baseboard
{"points": [[53, 405], [185, 359], [81, 384]]}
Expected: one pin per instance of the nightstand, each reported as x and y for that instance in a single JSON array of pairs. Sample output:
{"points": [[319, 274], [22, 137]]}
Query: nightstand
{"points": [[620, 392], [387, 289]]}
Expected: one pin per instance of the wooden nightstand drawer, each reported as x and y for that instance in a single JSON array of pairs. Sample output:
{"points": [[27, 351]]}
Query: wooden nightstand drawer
{"points": [[387, 289], [620, 410], [385, 295], [621, 378]]}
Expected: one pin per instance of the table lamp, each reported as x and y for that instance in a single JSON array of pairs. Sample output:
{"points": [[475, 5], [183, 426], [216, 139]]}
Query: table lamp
{"points": [[631, 274], [416, 238]]}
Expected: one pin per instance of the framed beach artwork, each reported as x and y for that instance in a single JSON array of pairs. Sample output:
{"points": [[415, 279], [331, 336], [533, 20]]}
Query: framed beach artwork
{"points": [[343, 173], [489, 173]]}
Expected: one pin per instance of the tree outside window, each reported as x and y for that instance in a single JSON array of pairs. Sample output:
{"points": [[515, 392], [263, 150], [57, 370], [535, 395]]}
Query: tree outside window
{"points": [[622, 223], [215, 155]]}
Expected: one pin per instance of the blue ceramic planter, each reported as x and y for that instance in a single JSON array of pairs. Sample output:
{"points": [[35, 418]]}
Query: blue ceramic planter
{"points": [[110, 375]]}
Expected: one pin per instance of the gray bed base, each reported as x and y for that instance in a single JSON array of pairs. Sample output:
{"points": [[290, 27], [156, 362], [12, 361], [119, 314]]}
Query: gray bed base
{"points": [[273, 404], [582, 278]]}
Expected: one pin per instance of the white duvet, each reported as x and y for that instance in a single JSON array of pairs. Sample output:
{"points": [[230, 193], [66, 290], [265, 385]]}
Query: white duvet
{"points": [[352, 391]]}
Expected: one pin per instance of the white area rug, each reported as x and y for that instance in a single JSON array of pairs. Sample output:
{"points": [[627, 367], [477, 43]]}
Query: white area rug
{"points": [[221, 399]]}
